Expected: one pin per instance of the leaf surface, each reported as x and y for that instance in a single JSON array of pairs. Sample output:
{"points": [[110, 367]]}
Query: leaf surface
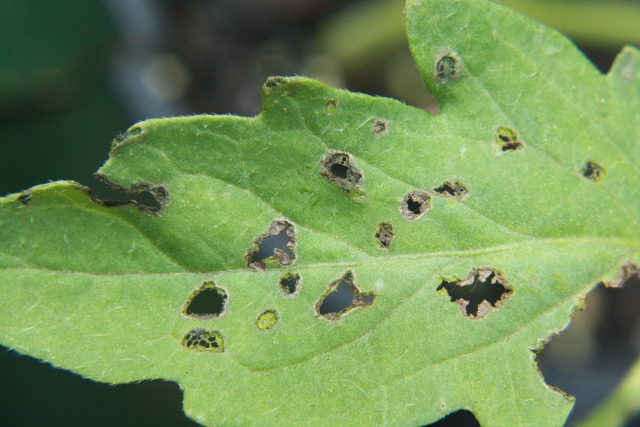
{"points": [[528, 179]]}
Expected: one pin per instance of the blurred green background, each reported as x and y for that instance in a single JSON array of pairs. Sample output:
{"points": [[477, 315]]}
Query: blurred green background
{"points": [[76, 73]]}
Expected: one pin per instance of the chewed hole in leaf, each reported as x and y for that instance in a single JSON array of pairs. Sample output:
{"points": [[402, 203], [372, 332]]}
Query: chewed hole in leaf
{"points": [[279, 86], [24, 199], [342, 296], [453, 189], [627, 272], [340, 168], [206, 302], [331, 106], [447, 68], [384, 236], [380, 127], [201, 340], [481, 292], [275, 82], [508, 138], [594, 171], [415, 204], [123, 138], [150, 199], [278, 244], [289, 284], [461, 418], [267, 320]]}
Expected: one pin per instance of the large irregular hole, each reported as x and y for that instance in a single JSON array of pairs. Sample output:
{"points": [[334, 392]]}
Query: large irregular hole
{"points": [[289, 284], [380, 127], [340, 168], [201, 340], [447, 68], [594, 171], [590, 358], [278, 244], [384, 235], [508, 138], [342, 296], [206, 302], [481, 292], [453, 189], [267, 320], [415, 204], [150, 199], [461, 418]]}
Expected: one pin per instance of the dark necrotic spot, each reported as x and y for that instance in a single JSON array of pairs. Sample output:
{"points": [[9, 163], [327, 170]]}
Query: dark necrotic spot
{"points": [[206, 302], [289, 284], [482, 291], [594, 171], [415, 204], [461, 418], [447, 68], [342, 297], [276, 245], [384, 235], [339, 167], [453, 189], [201, 340], [380, 127], [508, 138]]}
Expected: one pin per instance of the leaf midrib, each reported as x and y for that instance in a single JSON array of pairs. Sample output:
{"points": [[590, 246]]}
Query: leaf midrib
{"points": [[631, 245]]}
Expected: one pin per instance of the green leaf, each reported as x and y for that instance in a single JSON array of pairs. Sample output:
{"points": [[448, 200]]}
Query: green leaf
{"points": [[622, 406], [462, 240]]}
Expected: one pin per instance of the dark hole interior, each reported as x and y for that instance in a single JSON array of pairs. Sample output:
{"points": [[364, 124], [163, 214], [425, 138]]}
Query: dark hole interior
{"points": [[446, 67], [270, 243], [209, 301], [514, 145], [340, 299], [201, 338], [448, 189], [476, 292], [289, 284], [592, 170], [461, 418], [24, 198], [380, 127], [414, 206], [367, 299], [385, 235], [118, 198], [339, 171], [504, 137]]}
